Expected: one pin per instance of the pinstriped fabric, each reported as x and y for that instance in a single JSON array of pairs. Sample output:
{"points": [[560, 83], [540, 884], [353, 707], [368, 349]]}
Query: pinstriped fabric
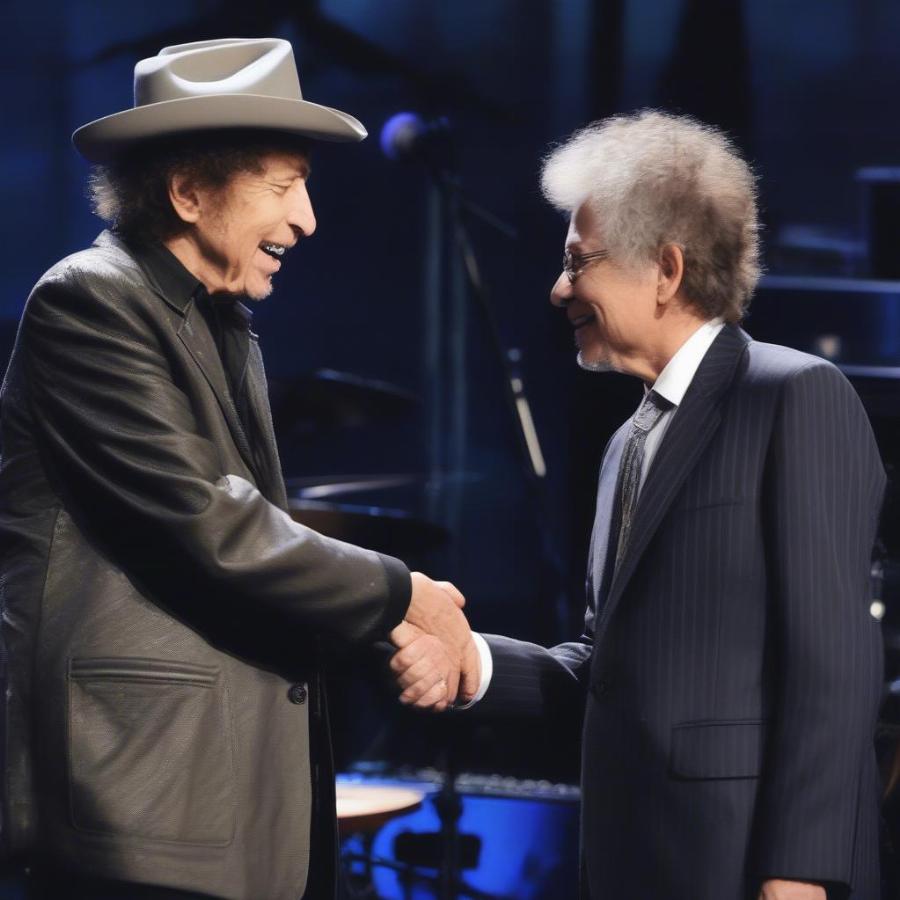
{"points": [[826, 646], [601, 561], [732, 668]]}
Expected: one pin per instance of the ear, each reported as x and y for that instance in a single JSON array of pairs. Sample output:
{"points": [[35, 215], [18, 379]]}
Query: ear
{"points": [[185, 197], [670, 272]]}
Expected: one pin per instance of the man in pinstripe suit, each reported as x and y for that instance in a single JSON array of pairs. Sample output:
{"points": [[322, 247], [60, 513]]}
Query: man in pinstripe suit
{"points": [[729, 668]]}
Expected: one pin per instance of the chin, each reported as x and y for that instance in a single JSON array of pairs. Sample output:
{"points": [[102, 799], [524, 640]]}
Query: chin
{"points": [[258, 291], [594, 364], [593, 356]]}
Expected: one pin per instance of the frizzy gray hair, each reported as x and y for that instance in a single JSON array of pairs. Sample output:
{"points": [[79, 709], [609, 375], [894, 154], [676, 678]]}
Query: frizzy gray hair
{"points": [[653, 178]]}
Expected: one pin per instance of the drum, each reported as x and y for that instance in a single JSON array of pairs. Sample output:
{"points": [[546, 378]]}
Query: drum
{"points": [[525, 835]]}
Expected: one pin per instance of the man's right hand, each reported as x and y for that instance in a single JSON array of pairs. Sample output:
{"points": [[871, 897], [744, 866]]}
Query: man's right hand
{"points": [[435, 607], [436, 647]]}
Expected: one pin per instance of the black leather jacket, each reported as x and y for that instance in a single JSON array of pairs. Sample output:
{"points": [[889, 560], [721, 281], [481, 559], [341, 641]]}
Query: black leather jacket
{"points": [[158, 602]]}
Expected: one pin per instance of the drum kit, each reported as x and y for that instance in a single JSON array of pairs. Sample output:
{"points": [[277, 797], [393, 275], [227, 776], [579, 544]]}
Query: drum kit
{"points": [[406, 830], [339, 505], [389, 850]]}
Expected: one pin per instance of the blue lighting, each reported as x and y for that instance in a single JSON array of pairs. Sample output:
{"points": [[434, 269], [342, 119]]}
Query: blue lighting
{"points": [[529, 848]]}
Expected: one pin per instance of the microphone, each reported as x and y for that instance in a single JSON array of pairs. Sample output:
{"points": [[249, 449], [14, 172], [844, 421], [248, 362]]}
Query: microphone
{"points": [[406, 136]]}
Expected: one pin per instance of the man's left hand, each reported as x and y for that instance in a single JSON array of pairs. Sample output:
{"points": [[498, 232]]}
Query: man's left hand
{"points": [[425, 672], [423, 668], [777, 889]]}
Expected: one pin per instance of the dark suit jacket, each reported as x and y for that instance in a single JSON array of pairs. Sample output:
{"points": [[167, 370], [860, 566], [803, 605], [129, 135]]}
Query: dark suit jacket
{"points": [[732, 670], [162, 614]]}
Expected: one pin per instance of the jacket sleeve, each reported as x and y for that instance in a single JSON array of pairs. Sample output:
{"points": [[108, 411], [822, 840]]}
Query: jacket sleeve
{"points": [[121, 445], [530, 680], [821, 502]]}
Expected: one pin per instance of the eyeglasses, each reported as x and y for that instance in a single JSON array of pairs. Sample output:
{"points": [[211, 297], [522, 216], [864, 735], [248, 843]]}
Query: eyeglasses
{"points": [[575, 263]]}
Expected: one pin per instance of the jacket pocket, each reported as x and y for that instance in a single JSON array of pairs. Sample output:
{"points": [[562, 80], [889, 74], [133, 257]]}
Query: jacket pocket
{"points": [[717, 749], [150, 750]]}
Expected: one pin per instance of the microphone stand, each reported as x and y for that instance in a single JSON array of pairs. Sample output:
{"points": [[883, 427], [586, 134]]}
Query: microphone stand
{"points": [[457, 206], [518, 407]]}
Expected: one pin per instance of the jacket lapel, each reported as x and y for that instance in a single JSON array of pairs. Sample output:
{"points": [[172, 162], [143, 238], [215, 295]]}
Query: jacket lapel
{"points": [[271, 480], [197, 339], [689, 433], [194, 333], [606, 504]]}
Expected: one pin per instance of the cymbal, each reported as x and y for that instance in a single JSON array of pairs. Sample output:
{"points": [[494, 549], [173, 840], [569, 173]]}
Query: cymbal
{"points": [[389, 531], [328, 398], [366, 807], [319, 487], [879, 389], [883, 373]]}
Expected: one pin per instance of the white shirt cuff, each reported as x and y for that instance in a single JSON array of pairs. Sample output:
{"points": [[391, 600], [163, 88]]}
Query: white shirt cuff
{"points": [[487, 669]]}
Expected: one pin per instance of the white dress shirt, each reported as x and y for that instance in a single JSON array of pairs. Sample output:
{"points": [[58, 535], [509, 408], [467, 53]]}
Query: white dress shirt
{"points": [[672, 383]]}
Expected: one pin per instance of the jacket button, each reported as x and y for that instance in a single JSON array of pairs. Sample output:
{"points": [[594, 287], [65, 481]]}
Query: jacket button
{"points": [[297, 693]]}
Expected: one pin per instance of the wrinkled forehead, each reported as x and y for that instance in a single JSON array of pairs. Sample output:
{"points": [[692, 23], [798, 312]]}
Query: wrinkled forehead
{"points": [[284, 164]]}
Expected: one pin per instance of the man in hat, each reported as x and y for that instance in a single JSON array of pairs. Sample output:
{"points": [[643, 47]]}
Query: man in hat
{"points": [[164, 619], [729, 671]]}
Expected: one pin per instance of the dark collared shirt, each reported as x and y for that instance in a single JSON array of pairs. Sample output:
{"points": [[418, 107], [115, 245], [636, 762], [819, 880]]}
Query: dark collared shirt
{"points": [[229, 321]]}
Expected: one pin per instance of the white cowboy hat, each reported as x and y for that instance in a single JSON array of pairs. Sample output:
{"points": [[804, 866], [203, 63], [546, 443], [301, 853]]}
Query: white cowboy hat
{"points": [[233, 83]]}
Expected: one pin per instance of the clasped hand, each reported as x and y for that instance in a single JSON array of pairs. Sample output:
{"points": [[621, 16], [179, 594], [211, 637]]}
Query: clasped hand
{"points": [[437, 663]]}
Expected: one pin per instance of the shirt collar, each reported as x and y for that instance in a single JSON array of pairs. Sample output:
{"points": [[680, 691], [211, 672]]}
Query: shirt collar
{"points": [[176, 283], [674, 380], [179, 285], [240, 313]]}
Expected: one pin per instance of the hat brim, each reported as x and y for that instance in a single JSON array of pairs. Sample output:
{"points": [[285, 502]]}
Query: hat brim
{"points": [[103, 139]]}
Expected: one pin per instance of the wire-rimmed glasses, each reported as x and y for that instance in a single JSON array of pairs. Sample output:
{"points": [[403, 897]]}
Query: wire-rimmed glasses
{"points": [[575, 263]]}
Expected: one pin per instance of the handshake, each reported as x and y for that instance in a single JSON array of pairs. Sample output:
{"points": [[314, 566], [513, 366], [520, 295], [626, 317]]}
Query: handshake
{"points": [[437, 663]]}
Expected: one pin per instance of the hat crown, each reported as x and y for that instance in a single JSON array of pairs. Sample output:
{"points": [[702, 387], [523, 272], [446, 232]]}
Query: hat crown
{"points": [[210, 86], [262, 67]]}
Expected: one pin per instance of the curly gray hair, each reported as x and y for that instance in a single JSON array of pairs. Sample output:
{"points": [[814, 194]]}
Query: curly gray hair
{"points": [[653, 178]]}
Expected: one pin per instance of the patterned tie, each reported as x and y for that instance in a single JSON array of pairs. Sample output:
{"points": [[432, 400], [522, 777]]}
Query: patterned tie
{"points": [[645, 419]]}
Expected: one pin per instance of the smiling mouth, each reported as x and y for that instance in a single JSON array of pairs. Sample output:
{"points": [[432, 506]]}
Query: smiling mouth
{"points": [[581, 321], [276, 251]]}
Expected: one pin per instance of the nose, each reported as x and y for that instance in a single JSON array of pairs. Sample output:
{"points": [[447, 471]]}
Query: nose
{"points": [[300, 212], [561, 292]]}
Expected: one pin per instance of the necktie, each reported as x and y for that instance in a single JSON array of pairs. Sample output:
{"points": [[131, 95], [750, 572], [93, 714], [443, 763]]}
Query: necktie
{"points": [[645, 419]]}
